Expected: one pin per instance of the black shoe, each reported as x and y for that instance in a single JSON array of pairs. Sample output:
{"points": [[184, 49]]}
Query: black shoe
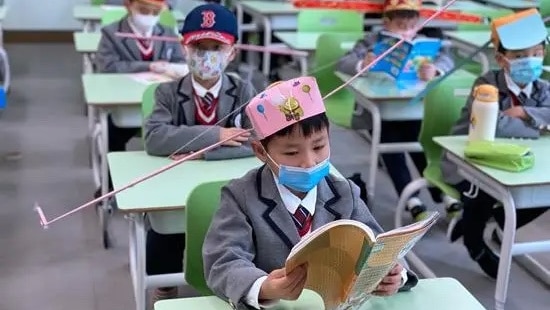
{"points": [[419, 213], [356, 178], [487, 260]]}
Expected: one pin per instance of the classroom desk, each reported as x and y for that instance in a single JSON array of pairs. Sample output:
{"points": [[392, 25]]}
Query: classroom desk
{"points": [[527, 189], [471, 40], [86, 43], [378, 93], [90, 15], [515, 5], [440, 294], [163, 198], [116, 94]]}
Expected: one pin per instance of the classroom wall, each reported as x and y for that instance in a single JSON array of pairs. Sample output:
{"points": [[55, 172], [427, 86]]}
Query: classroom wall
{"points": [[50, 15]]}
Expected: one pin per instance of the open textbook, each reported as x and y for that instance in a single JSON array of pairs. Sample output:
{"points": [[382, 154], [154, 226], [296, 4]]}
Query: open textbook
{"points": [[404, 61], [346, 261]]}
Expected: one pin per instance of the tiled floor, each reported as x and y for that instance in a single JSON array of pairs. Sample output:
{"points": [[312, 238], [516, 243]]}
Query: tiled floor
{"points": [[66, 267]]}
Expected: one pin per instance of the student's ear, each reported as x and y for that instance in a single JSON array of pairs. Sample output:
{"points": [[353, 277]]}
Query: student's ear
{"points": [[501, 61], [259, 150], [232, 54]]}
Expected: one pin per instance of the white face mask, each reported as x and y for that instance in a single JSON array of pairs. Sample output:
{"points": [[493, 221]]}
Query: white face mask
{"points": [[144, 23]]}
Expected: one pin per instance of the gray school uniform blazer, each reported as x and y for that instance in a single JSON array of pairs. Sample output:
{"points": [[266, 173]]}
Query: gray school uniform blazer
{"points": [[171, 125], [537, 108], [252, 233], [121, 55]]}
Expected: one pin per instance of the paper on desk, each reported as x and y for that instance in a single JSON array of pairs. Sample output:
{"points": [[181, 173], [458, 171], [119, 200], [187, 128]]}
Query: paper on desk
{"points": [[176, 70], [150, 78], [108, 7]]}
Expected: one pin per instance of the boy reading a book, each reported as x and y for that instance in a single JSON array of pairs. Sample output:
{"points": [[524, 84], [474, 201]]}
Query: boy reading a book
{"points": [[126, 55], [265, 213], [194, 105], [400, 17], [524, 102]]}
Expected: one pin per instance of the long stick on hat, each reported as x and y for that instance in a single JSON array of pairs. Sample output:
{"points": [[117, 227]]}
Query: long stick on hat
{"points": [[246, 47], [44, 222]]}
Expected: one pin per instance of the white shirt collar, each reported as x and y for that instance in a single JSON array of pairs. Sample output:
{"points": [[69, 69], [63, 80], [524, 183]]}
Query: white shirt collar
{"points": [[515, 89], [201, 91], [136, 30], [292, 202]]}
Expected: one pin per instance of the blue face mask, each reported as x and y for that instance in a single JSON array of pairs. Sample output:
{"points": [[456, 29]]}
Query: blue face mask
{"points": [[303, 179], [525, 70]]}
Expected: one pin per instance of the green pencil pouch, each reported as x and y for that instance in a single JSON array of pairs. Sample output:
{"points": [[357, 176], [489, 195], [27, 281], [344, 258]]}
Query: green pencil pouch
{"points": [[499, 155]]}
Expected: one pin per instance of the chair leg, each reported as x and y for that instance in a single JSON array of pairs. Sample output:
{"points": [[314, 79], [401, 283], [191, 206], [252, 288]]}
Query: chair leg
{"points": [[407, 193]]}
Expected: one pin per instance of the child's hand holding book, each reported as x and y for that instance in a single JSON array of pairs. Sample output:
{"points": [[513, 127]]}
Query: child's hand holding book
{"points": [[280, 285], [391, 283]]}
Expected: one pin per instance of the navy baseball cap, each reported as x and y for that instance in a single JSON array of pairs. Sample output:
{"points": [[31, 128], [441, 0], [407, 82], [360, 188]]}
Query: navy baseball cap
{"points": [[210, 21]]}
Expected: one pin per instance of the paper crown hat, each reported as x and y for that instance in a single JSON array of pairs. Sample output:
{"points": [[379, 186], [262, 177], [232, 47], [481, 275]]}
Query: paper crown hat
{"points": [[519, 31], [154, 2], [283, 104], [393, 5]]}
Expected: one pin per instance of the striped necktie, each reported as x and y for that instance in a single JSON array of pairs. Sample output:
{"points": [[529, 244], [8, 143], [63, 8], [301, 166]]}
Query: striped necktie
{"points": [[208, 99], [302, 220]]}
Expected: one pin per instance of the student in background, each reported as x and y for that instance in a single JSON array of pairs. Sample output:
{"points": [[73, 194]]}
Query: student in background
{"points": [[265, 213], [126, 55], [400, 17], [193, 106], [524, 101], [169, 3]]}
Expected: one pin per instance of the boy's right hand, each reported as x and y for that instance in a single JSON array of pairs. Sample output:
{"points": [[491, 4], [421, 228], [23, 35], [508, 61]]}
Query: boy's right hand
{"points": [[158, 66], [237, 141], [370, 57], [280, 285]]}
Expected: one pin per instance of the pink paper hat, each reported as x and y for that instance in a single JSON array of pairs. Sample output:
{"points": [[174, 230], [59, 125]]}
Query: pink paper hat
{"points": [[283, 104]]}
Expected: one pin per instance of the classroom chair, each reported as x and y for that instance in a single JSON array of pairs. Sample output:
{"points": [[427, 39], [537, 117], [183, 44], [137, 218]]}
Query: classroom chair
{"points": [[201, 205], [97, 2], [546, 74], [442, 107], [147, 104], [340, 106], [313, 20]]}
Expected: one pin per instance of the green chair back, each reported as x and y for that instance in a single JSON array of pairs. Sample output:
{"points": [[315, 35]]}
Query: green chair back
{"points": [[147, 104], [313, 20], [167, 19], [491, 13], [546, 74], [97, 2], [544, 8], [112, 16], [340, 106], [202, 204], [442, 108]]}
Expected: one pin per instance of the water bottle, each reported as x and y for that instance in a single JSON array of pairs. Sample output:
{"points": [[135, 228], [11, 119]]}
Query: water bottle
{"points": [[485, 108]]}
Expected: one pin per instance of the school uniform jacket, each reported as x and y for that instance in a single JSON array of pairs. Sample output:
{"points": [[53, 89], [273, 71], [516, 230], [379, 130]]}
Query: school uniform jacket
{"points": [[252, 233], [122, 55], [172, 123], [537, 107]]}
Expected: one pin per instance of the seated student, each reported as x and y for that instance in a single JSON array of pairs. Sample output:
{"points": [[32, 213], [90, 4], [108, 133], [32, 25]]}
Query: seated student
{"points": [[524, 102], [192, 106], [169, 3], [257, 224], [400, 17], [126, 55]]}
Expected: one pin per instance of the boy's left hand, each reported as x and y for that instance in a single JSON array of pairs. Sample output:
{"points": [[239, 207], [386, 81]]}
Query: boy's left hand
{"points": [[427, 71], [180, 156], [517, 112], [391, 282]]}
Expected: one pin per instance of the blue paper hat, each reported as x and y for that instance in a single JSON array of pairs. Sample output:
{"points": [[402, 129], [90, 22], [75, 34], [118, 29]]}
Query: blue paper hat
{"points": [[519, 31]]}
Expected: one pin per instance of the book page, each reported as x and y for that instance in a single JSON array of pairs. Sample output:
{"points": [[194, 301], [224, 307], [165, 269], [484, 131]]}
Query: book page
{"points": [[332, 257], [390, 247]]}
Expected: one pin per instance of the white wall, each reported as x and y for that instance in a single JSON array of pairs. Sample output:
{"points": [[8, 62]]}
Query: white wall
{"points": [[50, 14]]}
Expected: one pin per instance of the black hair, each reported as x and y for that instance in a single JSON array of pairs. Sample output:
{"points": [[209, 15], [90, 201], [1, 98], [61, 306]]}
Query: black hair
{"points": [[405, 14], [502, 50], [308, 126]]}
